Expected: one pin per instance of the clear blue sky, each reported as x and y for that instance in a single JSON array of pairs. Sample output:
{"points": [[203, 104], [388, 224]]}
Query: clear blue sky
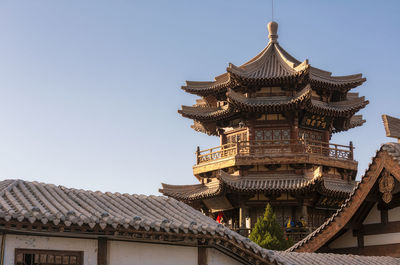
{"points": [[90, 89]]}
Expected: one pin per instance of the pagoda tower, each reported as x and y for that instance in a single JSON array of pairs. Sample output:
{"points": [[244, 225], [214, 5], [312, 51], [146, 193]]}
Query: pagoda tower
{"points": [[274, 116]]}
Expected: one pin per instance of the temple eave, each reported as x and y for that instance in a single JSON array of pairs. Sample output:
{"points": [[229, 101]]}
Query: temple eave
{"points": [[355, 121], [269, 104], [267, 81], [190, 192], [206, 128], [204, 88], [236, 77], [206, 113], [338, 109], [320, 78], [237, 102], [267, 185]]}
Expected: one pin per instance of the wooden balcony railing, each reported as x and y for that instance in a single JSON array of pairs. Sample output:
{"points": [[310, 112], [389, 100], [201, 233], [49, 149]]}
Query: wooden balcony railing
{"points": [[296, 234], [262, 148]]}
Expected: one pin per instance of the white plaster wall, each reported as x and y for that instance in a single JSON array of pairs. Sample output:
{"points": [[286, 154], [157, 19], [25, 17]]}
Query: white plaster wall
{"points": [[382, 239], [133, 253], [346, 240], [215, 257], [394, 214], [88, 246], [374, 216]]}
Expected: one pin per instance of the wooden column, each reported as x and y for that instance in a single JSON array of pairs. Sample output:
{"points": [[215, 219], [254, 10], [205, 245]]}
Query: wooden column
{"points": [[102, 251], [222, 137], [251, 134], [241, 218], [293, 214], [384, 216], [202, 256], [360, 240], [3, 242], [243, 213], [327, 136], [304, 213], [251, 131]]}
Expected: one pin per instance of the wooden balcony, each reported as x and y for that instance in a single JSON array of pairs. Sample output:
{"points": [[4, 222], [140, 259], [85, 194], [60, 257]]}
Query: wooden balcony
{"points": [[295, 234], [289, 151]]}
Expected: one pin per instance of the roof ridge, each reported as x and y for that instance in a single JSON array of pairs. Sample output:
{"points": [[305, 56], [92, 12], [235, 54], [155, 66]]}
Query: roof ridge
{"points": [[267, 64], [18, 181], [8, 186]]}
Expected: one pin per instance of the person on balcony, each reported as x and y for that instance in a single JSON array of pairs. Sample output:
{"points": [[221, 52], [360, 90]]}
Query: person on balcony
{"points": [[290, 225], [301, 224], [220, 217]]}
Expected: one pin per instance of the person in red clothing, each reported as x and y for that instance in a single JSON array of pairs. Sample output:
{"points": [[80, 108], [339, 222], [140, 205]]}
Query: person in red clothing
{"points": [[220, 217]]}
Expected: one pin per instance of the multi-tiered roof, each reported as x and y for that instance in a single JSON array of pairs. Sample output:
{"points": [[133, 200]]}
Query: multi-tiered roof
{"points": [[275, 116], [304, 87]]}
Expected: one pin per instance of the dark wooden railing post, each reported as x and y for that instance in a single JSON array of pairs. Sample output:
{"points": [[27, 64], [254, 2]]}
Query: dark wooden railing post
{"points": [[351, 151], [237, 147], [197, 155]]}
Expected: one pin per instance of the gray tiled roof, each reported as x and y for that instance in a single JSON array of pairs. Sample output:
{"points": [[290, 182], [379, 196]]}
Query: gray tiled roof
{"points": [[289, 258], [34, 201], [338, 185], [269, 63], [266, 182]]}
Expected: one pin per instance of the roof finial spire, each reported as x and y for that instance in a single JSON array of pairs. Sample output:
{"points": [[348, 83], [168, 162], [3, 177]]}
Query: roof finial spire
{"points": [[273, 32]]}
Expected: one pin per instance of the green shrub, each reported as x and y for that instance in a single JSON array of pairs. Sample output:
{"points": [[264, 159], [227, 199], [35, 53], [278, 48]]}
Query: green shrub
{"points": [[267, 233]]}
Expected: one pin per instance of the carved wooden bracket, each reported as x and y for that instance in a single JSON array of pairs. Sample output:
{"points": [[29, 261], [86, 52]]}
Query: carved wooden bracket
{"points": [[386, 185]]}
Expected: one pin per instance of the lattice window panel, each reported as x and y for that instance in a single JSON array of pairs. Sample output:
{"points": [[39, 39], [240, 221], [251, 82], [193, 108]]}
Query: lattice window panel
{"points": [[276, 135], [237, 137], [310, 135], [47, 257]]}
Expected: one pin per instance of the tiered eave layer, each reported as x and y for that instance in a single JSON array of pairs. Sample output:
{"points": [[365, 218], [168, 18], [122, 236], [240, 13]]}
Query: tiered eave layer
{"points": [[268, 104], [202, 113], [238, 102], [345, 108], [273, 66], [259, 183]]}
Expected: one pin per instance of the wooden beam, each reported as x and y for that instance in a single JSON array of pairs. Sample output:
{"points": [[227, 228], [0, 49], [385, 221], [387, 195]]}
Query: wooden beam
{"points": [[377, 229], [372, 197], [392, 250], [202, 256], [102, 251], [384, 216]]}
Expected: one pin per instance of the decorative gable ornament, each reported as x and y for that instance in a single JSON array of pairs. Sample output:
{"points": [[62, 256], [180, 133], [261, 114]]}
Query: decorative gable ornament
{"points": [[386, 186]]}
